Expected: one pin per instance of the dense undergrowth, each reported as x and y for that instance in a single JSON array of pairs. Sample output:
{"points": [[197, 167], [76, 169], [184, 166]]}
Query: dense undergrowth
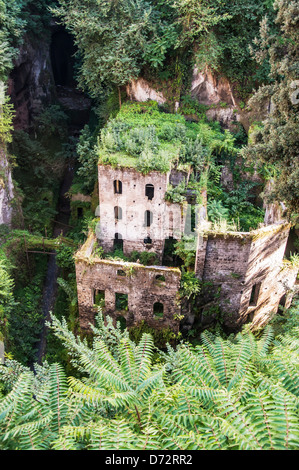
{"points": [[233, 393]]}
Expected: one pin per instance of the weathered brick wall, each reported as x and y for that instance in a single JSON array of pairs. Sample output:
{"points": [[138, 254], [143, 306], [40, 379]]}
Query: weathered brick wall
{"points": [[266, 271], [224, 264], [141, 286], [244, 264], [167, 218]]}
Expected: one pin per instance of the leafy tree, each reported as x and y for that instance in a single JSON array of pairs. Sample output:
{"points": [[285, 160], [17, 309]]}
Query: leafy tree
{"points": [[110, 36], [275, 142]]}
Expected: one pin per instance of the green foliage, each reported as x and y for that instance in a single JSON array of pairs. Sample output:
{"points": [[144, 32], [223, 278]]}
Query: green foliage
{"points": [[88, 159], [24, 322], [239, 393], [7, 302], [40, 162], [64, 257], [110, 37], [276, 142], [147, 258], [217, 211], [190, 285], [186, 250], [16, 18], [160, 336], [144, 136], [51, 122], [11, 28], [6, 120]]}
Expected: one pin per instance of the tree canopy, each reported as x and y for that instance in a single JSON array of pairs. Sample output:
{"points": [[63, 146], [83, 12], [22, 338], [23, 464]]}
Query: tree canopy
{"points": [[274, 143]]}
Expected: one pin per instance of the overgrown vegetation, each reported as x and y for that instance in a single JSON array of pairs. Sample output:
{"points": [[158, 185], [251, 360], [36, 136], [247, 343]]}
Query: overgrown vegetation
{"points": [[238, 393], [274, 143], [122, 388]]}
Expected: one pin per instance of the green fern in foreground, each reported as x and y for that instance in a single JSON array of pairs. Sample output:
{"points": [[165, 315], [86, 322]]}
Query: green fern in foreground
{"points": [[237, 394]]}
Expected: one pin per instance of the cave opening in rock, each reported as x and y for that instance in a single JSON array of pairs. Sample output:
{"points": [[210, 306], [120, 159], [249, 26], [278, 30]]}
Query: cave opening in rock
{"points": [[62, 58]]}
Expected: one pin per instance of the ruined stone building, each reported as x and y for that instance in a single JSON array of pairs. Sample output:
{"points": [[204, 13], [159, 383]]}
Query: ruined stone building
{"points": [[133, 210], [246, 269]]}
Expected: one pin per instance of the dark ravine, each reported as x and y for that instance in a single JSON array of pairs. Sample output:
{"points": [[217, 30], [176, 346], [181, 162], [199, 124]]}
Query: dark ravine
{"points": [[50, 287]]}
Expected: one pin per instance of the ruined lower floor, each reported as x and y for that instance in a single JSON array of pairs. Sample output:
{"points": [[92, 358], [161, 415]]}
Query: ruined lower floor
{"points": [[247, 276]]}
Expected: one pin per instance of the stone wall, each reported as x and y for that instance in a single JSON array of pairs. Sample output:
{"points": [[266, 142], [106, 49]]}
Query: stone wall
{"points": [[6, 190], [166, 219], [248, 268], [144, 286], [267, 274]]}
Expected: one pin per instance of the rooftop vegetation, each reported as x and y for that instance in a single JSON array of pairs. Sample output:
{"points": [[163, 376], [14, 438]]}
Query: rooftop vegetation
{"points": [[146, 137]]}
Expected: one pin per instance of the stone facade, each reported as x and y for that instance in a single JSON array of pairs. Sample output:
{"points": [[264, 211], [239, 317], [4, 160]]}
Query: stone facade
{"points": [[249, 270], [147, 292], [132, 205], [245, 270]]}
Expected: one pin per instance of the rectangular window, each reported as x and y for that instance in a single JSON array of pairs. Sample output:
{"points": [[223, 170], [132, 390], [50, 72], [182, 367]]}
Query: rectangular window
{"points": [[99, 298], [121, 301], [255, 292]]}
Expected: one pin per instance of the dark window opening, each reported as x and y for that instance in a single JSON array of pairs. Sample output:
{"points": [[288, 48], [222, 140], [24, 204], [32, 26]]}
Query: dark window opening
{"points": [[147, 241], [282, 304], [158, 310], [79, 212], [118, 213], [121, 273], [149, 191], [118, 187], [148, 218], [121, 301], [193, 218], [118, 242], [122, 322], [99, 298], [255, 294], [160, 278], [170, 258]]}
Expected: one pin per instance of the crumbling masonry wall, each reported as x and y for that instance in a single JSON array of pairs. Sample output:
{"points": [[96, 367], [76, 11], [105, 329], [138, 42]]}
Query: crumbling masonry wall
{"points": [[145, 287], [249, 271]]}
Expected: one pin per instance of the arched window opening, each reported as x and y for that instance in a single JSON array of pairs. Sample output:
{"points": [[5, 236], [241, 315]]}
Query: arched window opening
{"points": [[149, 191], [158, 310], [118, 213], [147, 241], [148, 218], [118, 187]]}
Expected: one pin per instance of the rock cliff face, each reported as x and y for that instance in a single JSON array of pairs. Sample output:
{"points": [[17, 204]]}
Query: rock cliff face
{"points": [[30, 86], [209, 89], [6, 190], [31, 83]]}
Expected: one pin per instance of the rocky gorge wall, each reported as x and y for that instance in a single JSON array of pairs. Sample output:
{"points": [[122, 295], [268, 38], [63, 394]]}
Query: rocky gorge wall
{"points": [[6, 190], [31, 82]]}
